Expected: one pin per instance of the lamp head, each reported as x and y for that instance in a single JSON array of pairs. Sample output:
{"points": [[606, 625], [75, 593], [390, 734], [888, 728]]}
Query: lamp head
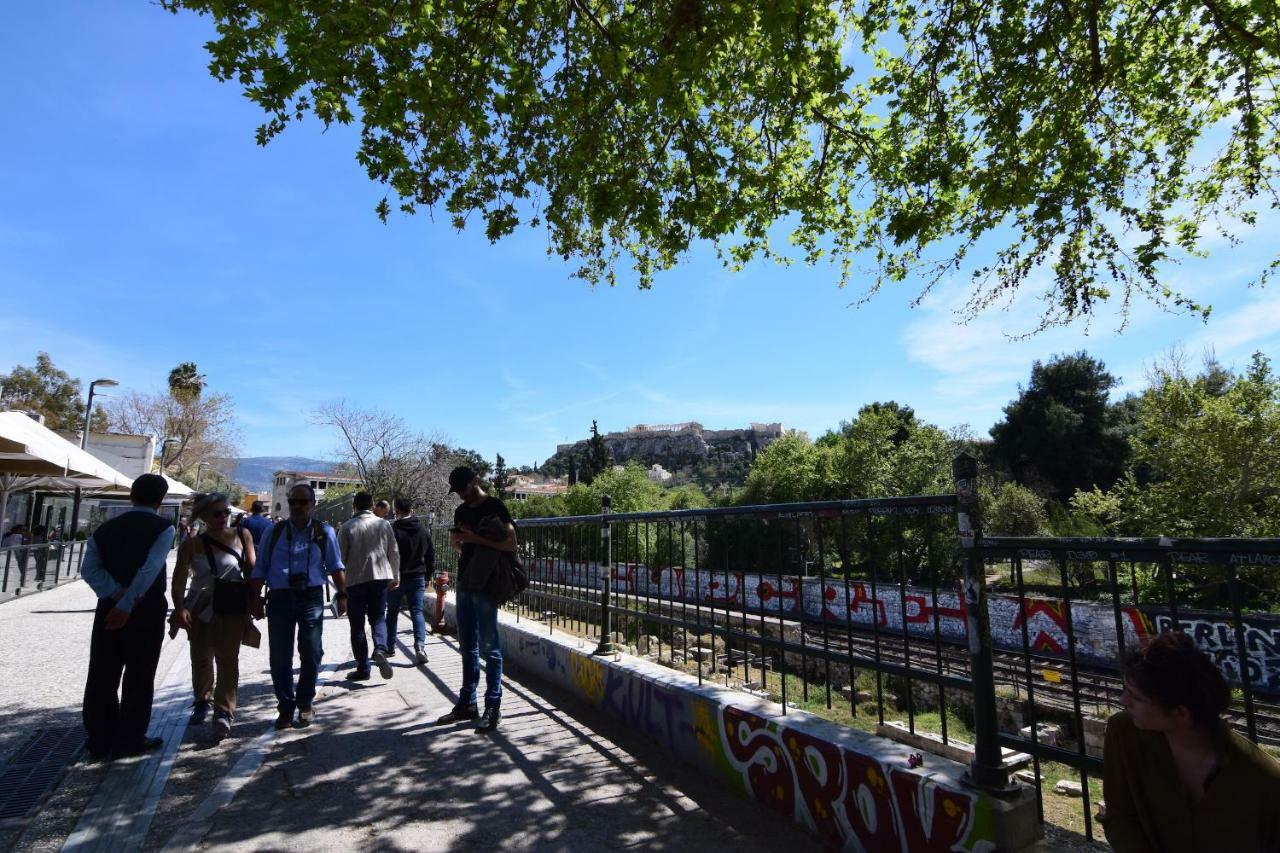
{"points": [[104, 383]]}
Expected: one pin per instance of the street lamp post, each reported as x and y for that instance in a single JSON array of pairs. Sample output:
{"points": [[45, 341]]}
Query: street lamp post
{"points": [[199, 470], [84, 442], [164, 449]]}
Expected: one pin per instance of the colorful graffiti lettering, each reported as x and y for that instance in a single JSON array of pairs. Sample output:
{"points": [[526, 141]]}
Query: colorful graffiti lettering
{"points": [[921, 613], [850, 799], [648, 707], [588, 676]]}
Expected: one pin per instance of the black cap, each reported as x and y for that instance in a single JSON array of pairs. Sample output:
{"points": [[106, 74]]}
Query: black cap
{"points": [[460, 477]]}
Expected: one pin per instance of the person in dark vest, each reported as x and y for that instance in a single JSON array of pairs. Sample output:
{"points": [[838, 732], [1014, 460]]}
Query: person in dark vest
{"points": [[124, 563]]}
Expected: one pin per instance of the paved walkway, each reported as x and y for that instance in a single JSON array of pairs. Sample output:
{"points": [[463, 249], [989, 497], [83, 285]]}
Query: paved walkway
{"points": [[371, 774]]}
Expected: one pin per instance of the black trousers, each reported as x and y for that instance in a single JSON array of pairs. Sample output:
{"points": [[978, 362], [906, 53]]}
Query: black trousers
{"points": [[122, 661]]}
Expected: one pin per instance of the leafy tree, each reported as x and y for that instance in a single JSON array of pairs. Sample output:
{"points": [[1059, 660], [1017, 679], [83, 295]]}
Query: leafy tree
{"points": [[904, 415], [1212, 457], [1061, 433], [1083, 137], [51, 392], [790, 469], [186, 382], [471, 458], [1013, 510]]}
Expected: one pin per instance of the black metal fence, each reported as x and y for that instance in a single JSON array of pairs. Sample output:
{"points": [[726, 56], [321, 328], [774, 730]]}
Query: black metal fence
{"points": [[1075, 606], [864, 611], [38, 566]]}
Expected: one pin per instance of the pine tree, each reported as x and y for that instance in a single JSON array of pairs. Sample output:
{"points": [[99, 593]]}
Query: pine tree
{"points": [[599, 458], [501, 479]]}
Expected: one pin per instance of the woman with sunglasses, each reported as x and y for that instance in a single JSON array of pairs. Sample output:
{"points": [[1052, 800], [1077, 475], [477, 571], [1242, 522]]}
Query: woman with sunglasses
{"points": [[215, 610]]}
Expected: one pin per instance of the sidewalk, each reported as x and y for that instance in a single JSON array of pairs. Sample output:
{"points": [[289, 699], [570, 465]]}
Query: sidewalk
{"points": [[371, 774]]}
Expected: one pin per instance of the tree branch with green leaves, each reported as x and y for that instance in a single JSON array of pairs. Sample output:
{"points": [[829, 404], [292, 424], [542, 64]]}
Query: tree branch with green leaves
{"points": [[902, 141]]}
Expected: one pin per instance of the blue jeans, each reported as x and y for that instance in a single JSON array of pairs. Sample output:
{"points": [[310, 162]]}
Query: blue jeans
{"points": [[291, 611], [477, 631], [367, 601], [415, 587]]}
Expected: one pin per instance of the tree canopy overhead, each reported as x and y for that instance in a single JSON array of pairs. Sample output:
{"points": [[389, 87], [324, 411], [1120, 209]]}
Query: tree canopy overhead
{"points": [[1102, 138]]}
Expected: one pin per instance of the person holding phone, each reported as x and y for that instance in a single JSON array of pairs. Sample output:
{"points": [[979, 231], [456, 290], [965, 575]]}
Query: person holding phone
{"points": [[477, 612]]}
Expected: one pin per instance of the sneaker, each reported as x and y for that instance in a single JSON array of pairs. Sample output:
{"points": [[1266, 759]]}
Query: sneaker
{"points": [[285, 719], [384, 668], [221, 726], [391, 652], [358, 675], [489, 720], [459, 714], [199, 713], [305, 717], [419, 655]]}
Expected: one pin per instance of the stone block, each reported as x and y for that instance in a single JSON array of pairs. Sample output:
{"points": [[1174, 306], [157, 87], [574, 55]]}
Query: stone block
{"points": [[1027, 777], [1067, 788], [1046, 733]]}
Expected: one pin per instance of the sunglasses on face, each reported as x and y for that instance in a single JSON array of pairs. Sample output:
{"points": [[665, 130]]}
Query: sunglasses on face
{"points": [[299, 501], [224, 512]]}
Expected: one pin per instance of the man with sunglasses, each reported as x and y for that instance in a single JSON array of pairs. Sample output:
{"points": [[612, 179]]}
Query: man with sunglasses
{"points": [[299, 556]]}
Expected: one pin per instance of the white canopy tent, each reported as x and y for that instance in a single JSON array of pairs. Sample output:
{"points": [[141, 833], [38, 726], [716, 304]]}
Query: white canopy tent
{"points": [[35, 457]]}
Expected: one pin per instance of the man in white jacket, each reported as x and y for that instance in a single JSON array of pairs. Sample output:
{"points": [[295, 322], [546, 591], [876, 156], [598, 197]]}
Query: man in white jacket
{"points": [[368, 548]]}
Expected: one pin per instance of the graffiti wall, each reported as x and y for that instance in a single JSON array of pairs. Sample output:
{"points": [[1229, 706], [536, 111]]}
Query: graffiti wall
{"points": [[854, 791], [1261, 641], [852, 799], [1046, 622]]}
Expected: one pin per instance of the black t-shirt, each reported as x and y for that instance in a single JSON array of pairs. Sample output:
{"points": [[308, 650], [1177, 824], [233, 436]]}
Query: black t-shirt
{"points": [[470, 516]]}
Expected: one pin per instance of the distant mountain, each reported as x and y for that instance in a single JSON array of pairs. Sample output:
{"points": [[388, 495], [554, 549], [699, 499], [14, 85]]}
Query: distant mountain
{"points": [[255, 472]]}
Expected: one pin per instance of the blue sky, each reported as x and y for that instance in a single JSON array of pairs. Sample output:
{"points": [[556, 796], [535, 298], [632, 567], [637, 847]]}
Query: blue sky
{"points": [[140, 226]]}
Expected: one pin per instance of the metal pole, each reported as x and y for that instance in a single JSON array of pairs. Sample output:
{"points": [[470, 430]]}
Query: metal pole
{"points": [[607, 645], [987, 770], [84, 443]]}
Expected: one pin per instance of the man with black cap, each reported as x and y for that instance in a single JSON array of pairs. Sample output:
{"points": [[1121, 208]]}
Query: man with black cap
{"points": [[477, 613], [124, 563]]}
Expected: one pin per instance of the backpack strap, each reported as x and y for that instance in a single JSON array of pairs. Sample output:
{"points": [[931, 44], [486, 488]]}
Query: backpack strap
{"points": [[209, 542], [276, 532]]}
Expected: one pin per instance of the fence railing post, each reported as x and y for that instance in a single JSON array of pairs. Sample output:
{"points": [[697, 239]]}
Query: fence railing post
{"points": [[987, 769], [607, 645]]}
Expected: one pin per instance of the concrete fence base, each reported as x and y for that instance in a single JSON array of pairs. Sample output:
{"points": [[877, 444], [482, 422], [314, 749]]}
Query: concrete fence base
{"points": [[852, 789]]}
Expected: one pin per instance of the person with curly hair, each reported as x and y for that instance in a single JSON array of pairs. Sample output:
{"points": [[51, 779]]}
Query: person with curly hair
{"points": [[1176, 777]]}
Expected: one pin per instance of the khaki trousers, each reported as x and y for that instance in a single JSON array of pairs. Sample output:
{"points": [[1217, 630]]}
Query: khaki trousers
{"points": [[217, 640]]}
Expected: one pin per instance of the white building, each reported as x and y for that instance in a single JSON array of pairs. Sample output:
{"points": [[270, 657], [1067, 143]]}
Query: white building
{"points": [[318, 480], [658, 474], [523, 488]]}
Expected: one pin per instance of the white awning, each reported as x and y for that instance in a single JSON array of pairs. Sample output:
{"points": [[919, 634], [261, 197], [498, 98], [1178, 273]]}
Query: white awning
{"points": [[35, 457], [28, 449]]}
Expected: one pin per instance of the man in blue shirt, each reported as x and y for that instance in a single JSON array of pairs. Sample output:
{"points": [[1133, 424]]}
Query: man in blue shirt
{"points": [[124, 564], [297, 558], [257, 523]]}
